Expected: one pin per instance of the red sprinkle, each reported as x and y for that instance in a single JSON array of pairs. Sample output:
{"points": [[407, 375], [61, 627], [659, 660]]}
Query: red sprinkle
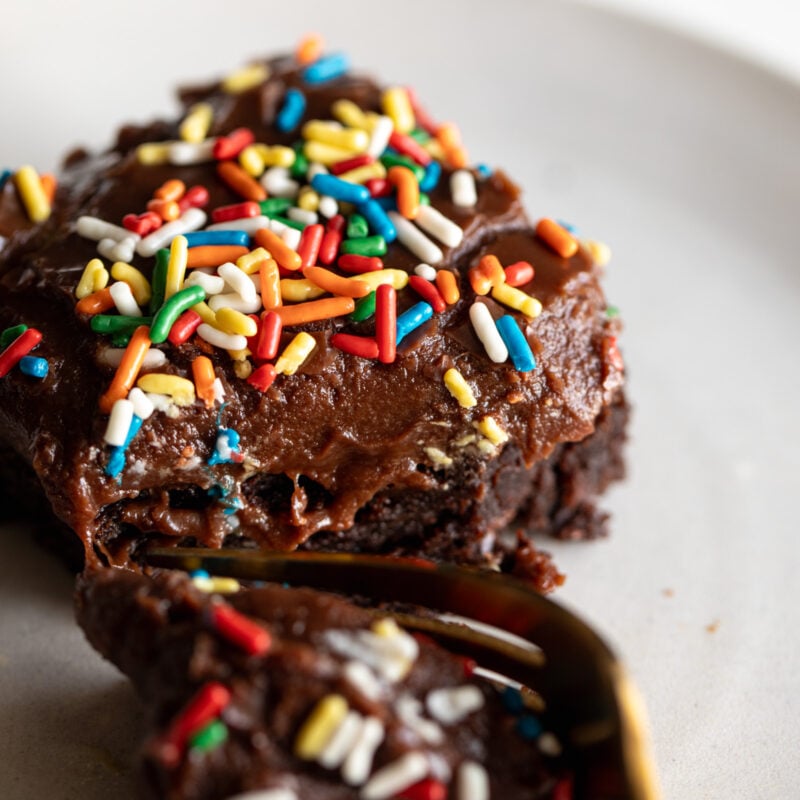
{"points": [[240, 630], [184, 327], [423, 119], [20, 347], [195, 197], [230, 146], [142, 224], [410, 147], [386, 322], [427, 789], [379, 187], [359, 264], [263, 377], [428, 292], [235, 211], [310, 243], [612, 353], [361, 346], [563, 790], [468, 665], [269, 336], [329, 248], [519, 274], [351, 163]]}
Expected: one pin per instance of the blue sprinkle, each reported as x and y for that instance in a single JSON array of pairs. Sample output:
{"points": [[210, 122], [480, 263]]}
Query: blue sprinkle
{"points": [[327, 68], [231, 505], [4, 176], [388, 203], [484, 170], [431, 177], [512, 700], [199, 573], [411, 319], [339, 189], [376, 217], [294, 106], [116, 461], [226, 447], [34, 367], [518, 347], [567, 226], [202, 238], [529, 728]]}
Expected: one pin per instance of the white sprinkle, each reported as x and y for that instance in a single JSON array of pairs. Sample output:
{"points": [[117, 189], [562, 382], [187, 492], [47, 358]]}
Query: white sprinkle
{"points": [[425, 271], [227, 341], [415, 240], [279, 183], [472, 782], [362, 678], [247, 224], [485, 329], [549, 744], [381, 132], [342, 741], [437, 224], [119, 422], [390, 656], [236, 302], [191, 220], [302, 215], [112, 357], [122, 295], [462, 188], [114, 250], [239, 281], [409, 709], [212, 284], [185, 153], [291, 236], [328, 206], [97, 229], [393, 778], [162, 402], [314, 169], [219, 390], [452, 705], [267, 794], [142, 406], [358, 763]]}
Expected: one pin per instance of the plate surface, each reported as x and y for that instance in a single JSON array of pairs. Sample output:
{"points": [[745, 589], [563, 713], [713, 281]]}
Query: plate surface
{"points": [[687, 162]]}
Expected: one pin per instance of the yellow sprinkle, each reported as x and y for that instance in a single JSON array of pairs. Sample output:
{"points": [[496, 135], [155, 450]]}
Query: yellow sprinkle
{"points": [[196, 123], [365, 173], [439, 458], [239, 356], [242, 367], [153, 153], [296, 352], [176, 268], [230, 320], [276, 155], [385, 627], [93, 279], [326, 154], [251, 161], [140, 286], [217, 585], [320, 726], [435, 150], [206, 314], [308, 199], [245, 78], [599, 251], [396, 277], [489, 427], [459, 388], [397, 106], [251, 262], [31, 193], [348, 113], [353, 139], [181, 390], [298, 290], [516, 299]]}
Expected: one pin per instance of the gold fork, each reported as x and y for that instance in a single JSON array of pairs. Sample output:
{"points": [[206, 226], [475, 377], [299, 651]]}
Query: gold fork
{"points": [[589, 702]]}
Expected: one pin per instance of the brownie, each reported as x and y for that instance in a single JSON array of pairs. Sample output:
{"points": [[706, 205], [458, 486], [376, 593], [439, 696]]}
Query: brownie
{"points": [[293, 689], [369, 450]]}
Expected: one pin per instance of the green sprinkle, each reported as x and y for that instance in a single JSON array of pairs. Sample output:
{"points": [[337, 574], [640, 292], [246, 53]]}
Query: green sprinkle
{"points": [[420, 135], [120, 340], [159, 280], [424, 199], [275, 205], [300, 166], [290, 223], [210, 736], [612, 312], [391, 160], [9, 334], [365, 308], [357, 227], [105, 323], [172, 309], [365, 246]]}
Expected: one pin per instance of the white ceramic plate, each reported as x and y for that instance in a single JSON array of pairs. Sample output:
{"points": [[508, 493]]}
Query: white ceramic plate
{"points": [[688, 162]]}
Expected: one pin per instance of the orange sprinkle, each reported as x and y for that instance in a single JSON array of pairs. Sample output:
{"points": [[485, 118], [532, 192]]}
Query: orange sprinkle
{"points": [[49, 186], [204, 377], [212, 255], [336, 284], [407, 190], [170, 190], [278, 249], [128, 369], [315, 310], [491, 267], [96, 302], [168, 210], [241, 183], [270, 284], [309, 49], [447, 285], [557, 237], [449, 136]]}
